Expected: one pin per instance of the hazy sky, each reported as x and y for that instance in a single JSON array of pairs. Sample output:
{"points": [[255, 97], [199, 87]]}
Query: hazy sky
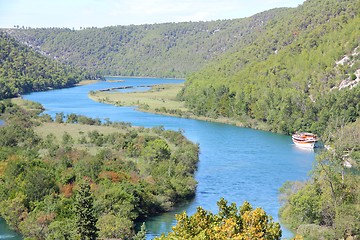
{"points": [[100, 13]]}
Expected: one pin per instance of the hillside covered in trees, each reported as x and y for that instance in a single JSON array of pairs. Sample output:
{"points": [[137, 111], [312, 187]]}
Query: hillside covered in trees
{"points": [[22, 70], [156, 50], [293, 77], [301, 74]]}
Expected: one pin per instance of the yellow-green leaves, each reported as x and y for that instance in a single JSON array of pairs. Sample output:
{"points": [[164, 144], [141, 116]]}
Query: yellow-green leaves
{"points": [[229, 223]]}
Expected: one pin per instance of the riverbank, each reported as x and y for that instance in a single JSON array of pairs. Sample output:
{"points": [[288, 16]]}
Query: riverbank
{"points": [[86, 82], [161, 99]]}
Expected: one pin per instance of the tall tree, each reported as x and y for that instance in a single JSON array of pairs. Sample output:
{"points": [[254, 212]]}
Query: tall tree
{"points": [[86, 218]]}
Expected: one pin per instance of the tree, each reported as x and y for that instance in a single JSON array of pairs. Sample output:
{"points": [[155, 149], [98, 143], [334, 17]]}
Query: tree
{"points": [[141, 235], [229, 223], [115, 227], [14, 210], [157, 150], [59, 117], [85, 213]]}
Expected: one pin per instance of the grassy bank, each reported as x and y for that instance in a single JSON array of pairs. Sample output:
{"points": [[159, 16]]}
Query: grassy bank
{"points": [[76, 132], [162, 99], [86, 82], [160, 96]]}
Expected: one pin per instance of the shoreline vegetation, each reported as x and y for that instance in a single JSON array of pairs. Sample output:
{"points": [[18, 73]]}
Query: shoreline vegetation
{"points": [[162, 99]]}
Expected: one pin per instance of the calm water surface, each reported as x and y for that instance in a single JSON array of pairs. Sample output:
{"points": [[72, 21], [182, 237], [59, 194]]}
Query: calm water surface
{"points": [[235, 163]]}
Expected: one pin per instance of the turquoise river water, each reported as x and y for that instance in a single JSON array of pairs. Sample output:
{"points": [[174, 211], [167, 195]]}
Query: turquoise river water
{"points": [[235, 163]]}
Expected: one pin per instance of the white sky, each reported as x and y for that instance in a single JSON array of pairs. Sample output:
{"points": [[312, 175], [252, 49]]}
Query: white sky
{"points": [[100, 13]]}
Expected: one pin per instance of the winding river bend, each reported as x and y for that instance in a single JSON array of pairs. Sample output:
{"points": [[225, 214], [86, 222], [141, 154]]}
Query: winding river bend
{"points": [[235, 163]]}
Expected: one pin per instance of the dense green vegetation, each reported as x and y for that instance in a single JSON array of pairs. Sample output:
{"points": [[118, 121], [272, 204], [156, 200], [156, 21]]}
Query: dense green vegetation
{"points": [[229, 223], [23, 70], [159, 50], [53, 188], [279, 70], [288, 78]]}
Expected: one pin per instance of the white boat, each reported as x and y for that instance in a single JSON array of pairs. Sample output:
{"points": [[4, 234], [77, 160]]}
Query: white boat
{"points": [[304, 139]]}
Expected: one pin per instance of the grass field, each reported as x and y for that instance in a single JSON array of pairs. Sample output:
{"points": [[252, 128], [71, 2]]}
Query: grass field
{"points": [[79, 132], [160, 96], [86, 82], [76, 131], [30, 106]]}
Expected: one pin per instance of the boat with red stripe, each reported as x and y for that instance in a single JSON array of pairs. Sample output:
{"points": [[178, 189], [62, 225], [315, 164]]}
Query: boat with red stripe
{"points": [[304, 139]]}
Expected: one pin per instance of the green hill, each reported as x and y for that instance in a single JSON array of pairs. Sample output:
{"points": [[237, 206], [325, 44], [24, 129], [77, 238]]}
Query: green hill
{"points": [[288, 79], [158, 50], [23, 70]]}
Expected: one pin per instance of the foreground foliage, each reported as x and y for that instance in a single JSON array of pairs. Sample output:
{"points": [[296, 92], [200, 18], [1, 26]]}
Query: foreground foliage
{"points": [[131, 172], [229, 223]]}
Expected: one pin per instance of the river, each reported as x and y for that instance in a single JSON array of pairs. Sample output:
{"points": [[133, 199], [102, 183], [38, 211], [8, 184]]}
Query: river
{"points": [[235, 163]]}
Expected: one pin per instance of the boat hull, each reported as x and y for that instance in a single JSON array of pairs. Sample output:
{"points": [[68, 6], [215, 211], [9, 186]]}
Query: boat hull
{"points": [[304, 144]]}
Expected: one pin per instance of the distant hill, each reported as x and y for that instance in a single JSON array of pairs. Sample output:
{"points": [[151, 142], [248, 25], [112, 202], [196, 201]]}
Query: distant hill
{"points": [[158, 50], [22, 70]]}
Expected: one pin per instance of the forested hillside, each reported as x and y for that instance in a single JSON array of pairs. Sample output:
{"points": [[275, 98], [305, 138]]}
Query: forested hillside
{"points": [[160, 50], [23, 70], [289, 78]]}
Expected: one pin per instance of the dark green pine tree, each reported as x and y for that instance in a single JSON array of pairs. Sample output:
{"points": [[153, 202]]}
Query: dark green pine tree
{"points": [[86, 218]]}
